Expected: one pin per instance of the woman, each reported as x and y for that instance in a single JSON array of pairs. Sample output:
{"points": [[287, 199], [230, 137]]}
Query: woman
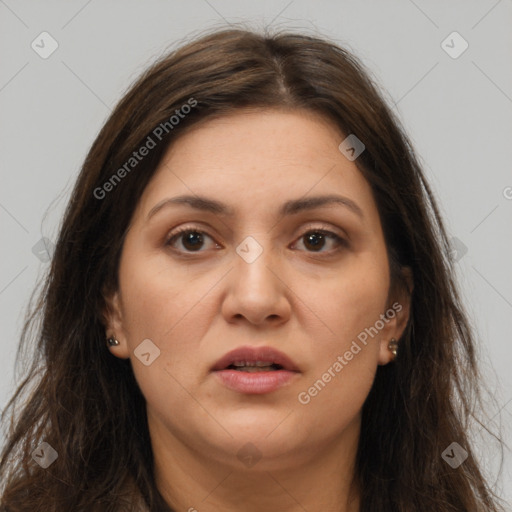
{"points": [[251, 304]]}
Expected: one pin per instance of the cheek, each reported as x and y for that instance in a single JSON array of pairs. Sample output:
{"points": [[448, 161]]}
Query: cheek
{"points": [[170, 309], [353, 299], [344, 362], [156, 300], [334, 399], [164, 307], [343, 366]]}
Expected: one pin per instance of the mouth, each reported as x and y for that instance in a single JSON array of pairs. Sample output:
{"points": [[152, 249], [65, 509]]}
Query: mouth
{"points": [[255, 359], [255, 370]]}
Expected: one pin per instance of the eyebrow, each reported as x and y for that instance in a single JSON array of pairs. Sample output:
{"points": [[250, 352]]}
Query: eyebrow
{"points": [[291, 207]]}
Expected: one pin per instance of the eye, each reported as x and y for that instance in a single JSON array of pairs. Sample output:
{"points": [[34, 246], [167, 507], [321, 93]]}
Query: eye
{"points": [[315, 239], [192, 240]]}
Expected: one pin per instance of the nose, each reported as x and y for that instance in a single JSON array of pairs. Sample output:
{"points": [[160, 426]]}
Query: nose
{"points": [[256, 288]]}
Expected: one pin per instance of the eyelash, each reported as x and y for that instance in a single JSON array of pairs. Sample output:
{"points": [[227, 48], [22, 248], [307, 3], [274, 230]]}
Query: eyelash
{"points": [[188, 229]]}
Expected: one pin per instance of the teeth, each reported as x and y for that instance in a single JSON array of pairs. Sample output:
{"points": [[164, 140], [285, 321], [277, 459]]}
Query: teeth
{"points": [[259, 364], [255, 366], [255, 369]]}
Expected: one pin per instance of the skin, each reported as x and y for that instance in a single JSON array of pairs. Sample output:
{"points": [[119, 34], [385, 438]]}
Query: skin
{"points": [[310, 303]]}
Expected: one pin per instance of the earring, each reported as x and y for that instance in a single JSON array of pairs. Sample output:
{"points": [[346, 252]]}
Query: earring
{"points": [[111, 342], [393, 346]]}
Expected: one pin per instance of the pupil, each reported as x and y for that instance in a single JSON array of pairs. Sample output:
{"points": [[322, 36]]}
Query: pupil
{"points": [[193, 238], [310, 239]]}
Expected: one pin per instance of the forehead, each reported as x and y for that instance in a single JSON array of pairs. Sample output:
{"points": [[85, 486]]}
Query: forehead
{"points": [[252, 159], [268, 134]]}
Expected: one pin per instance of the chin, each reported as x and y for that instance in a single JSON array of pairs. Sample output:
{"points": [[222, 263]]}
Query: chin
{"points": [[268, 439], [259, 423]]}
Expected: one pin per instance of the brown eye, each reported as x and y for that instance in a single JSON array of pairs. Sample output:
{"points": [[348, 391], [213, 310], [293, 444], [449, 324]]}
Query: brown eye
{"points": [[315, 240], [192, 239]]}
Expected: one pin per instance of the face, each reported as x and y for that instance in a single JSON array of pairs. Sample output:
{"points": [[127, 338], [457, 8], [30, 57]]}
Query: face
{"points": [[303, 285]]}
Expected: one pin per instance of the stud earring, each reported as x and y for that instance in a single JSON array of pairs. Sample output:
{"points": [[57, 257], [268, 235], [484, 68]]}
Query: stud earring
{"points": [[393, 346], [112, 342]]}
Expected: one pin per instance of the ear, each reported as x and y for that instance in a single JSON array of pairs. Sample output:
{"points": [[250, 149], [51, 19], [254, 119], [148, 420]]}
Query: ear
{"points": [[113, 321], [397, 313]]}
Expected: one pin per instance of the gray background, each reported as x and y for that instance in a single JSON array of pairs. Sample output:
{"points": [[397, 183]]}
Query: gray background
{"points": [[458, 112]]}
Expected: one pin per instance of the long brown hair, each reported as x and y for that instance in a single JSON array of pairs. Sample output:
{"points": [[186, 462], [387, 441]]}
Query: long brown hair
{"points": [[86, 404]]}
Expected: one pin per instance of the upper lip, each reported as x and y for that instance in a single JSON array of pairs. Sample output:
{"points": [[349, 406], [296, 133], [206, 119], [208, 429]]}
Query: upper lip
{"points": [[253, 355]]}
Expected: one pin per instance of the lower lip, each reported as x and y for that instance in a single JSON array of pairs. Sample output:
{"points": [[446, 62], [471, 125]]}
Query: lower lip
{"points": [[256, 383]]}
